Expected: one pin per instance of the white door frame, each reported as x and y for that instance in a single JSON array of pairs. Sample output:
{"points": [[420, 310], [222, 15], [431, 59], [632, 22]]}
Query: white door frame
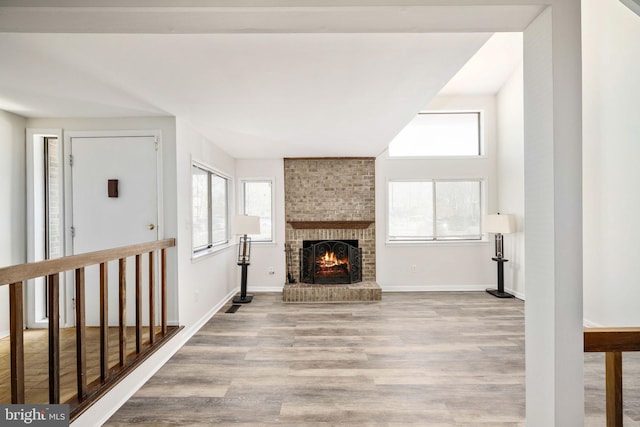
{"points": [[34, 137]]}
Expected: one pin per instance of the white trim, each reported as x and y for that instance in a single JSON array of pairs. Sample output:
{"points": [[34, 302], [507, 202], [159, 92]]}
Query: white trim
{"points": [[4, 334], [258, 289], [481, 135], [484, 201], [434, 288], [589, 324], [100, 412], [230, 200], [211, 252], [519, 295], [240, 203], [481, 242], [160, 183], [30, 294]]}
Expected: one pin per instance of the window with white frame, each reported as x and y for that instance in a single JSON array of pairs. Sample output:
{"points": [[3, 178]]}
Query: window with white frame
{"points": [[440, 134], [257, 200], [434, 210], [210, 209]]}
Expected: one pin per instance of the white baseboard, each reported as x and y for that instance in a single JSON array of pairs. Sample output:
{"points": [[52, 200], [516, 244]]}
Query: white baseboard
{"points": [[409, 288], [5, 333], [264, 289], [433, 288], [589, 324], [519, 295], [104, 408]]}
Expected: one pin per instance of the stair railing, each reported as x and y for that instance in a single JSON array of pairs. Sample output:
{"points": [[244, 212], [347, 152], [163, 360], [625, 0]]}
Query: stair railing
{"points": [[16, 276], [613, 342]]}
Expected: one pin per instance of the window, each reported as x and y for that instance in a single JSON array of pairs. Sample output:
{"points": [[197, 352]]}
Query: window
{"points": [[257, 200], [439, 135], [435, 210], [210, 200]]}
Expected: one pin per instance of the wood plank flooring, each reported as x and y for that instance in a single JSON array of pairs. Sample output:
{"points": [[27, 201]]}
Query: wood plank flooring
{"points": [[37, 367], [414, 359]]}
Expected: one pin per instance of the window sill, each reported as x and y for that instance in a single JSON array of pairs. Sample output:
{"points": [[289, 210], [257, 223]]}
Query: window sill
{"points": [[195, 257], [468, 157], [264, 243], [481, 242]]}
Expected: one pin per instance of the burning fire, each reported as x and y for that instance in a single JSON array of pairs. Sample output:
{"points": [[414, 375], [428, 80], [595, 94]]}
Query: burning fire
{"points": [[329, 260]]}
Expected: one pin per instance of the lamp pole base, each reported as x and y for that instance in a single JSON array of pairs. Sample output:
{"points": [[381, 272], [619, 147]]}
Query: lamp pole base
{"points": [[497, 293], [243, 298], [500, 293], [239, 299]]}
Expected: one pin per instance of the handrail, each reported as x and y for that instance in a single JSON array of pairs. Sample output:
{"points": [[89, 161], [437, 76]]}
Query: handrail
{"points": [[612, 341], [15, 277], [32, 270]]}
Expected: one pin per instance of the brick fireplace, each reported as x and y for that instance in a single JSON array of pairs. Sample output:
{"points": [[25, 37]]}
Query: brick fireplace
{"points": [[331, 199]]}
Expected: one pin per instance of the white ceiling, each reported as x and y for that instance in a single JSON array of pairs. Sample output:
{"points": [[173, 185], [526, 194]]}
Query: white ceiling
{"points": [[254, 95]]}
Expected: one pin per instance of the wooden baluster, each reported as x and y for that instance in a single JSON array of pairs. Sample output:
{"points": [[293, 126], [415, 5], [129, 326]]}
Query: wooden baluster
{"points": [[138, 303], [152, 285], [104, 322], [17, 342], [54, 338], [15, 276], [614, 388], [81, 351], [163, 289], [122, 309]]}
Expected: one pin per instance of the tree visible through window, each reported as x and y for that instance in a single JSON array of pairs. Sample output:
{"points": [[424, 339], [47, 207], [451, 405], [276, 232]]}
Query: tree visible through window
{"points": [[434, 210]]}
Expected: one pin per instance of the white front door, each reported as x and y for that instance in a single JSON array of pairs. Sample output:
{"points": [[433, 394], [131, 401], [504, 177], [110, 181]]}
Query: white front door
{"points": [[103, 220]]}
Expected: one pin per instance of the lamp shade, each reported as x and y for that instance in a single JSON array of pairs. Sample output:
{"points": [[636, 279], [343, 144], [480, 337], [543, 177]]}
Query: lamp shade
{"points": [[245, 224], [502, 224]]}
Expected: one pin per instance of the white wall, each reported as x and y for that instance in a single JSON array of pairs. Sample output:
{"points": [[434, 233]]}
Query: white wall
{"points": [[442, 266], [266, 255], [13, 200], [510, 166], [208, 280], [553, 212], [611, 153]]}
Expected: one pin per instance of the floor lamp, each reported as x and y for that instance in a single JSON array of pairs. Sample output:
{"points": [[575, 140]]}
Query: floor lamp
{"points": [[499, 225], [244, 225]]}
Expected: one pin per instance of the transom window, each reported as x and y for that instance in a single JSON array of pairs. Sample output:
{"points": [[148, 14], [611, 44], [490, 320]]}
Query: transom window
{"points": [[257, 200], [210, 205], [439, 135], [429, 210]]}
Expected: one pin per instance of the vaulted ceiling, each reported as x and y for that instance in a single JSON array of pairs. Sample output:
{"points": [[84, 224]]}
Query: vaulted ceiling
{"points": [[326, 92]]}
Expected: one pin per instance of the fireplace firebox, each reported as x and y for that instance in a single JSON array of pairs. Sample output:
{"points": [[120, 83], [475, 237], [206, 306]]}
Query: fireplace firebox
{"points": [[330, 261]]}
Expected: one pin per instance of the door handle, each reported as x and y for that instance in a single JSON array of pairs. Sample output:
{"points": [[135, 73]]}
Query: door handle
{"points": [[151, 226]]}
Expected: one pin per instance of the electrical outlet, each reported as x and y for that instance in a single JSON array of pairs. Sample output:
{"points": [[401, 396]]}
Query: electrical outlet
{"points": [[414, 268], [271, 271]]}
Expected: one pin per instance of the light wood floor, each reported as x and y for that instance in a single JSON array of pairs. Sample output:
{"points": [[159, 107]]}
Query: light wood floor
{"points": [[414, 359], [36, 362]]}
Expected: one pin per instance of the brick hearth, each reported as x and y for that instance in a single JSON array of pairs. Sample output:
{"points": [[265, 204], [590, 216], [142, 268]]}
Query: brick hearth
{"points": [[356, 292]]}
